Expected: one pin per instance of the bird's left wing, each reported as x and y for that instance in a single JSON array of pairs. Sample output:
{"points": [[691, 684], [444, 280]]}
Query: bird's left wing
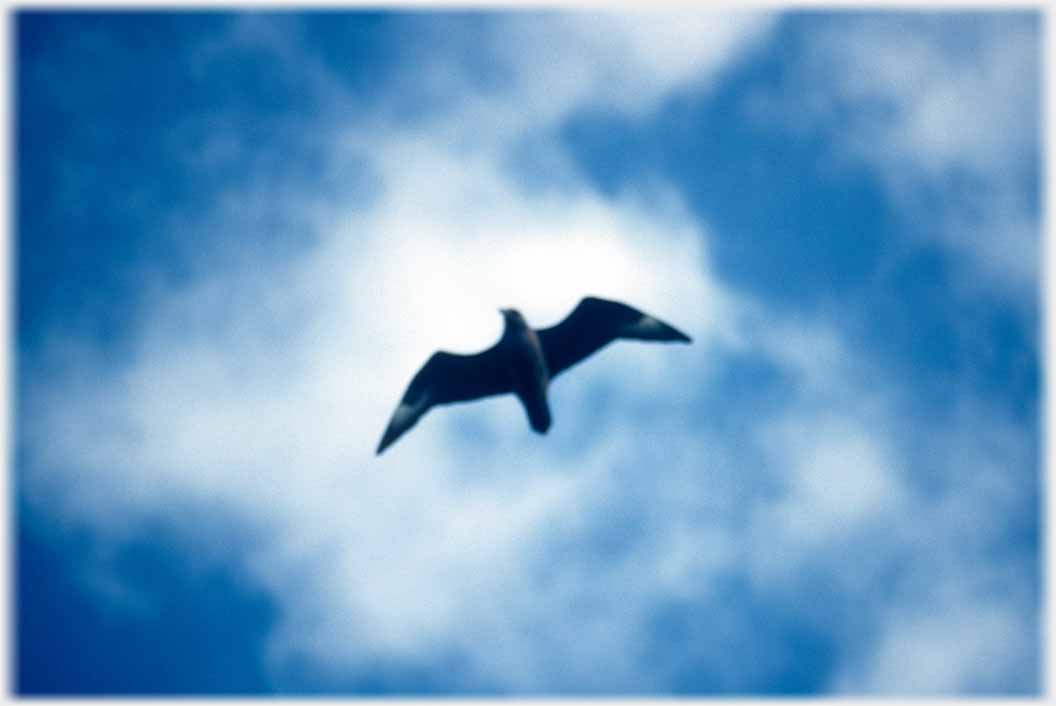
{"points": [[446, 378], [595, 323]]}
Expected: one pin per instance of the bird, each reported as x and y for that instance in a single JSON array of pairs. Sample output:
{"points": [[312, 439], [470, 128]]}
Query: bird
{"points": [[523, 362]]}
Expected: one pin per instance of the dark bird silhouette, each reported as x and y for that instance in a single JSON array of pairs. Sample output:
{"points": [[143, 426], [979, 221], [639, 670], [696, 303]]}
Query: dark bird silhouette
{"points": [[523, 362]]}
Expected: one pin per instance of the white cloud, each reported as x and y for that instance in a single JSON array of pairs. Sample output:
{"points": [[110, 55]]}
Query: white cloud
{"points": [[956, 593], [961, 92], [626, 61], [946, 106], [264, 393], [261, 388], [838, 479], [961, 647]]}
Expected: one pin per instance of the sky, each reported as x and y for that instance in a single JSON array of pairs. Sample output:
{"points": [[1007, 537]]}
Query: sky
{"points": [[237, 235]]}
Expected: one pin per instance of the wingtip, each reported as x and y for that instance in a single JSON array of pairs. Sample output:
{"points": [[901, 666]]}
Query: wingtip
{"points": [[384, 443], [673, 334]]}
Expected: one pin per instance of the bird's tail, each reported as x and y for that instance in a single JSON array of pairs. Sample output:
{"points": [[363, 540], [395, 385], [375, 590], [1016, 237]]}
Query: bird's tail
{"points": [[538, 414]]}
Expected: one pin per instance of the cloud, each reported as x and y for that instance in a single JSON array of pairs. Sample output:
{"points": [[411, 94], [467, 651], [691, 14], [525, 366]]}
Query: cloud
{"points": [[914, 656], [259, 388], [627, 61], [264, 392], [946, 107]]}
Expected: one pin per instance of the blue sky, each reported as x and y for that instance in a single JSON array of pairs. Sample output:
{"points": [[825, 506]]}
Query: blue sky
{"points": [[238, 235]]}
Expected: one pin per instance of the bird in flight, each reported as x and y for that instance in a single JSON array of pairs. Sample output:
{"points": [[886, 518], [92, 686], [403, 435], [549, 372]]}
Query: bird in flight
{"points": [[523, 362]]}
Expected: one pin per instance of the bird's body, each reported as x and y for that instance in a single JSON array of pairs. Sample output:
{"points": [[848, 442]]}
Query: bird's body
{"points": [[523, 362], [527, 368]]}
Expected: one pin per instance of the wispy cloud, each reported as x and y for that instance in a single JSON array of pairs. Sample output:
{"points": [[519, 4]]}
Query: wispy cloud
{"points": [[946, 107]]}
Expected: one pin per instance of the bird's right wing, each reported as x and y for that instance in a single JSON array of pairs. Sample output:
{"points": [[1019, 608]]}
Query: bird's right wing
{"points": [[446, 378], [595, 323]]}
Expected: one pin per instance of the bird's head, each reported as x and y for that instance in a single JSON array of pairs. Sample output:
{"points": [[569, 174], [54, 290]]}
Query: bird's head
{"points": [[512, 317]]}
